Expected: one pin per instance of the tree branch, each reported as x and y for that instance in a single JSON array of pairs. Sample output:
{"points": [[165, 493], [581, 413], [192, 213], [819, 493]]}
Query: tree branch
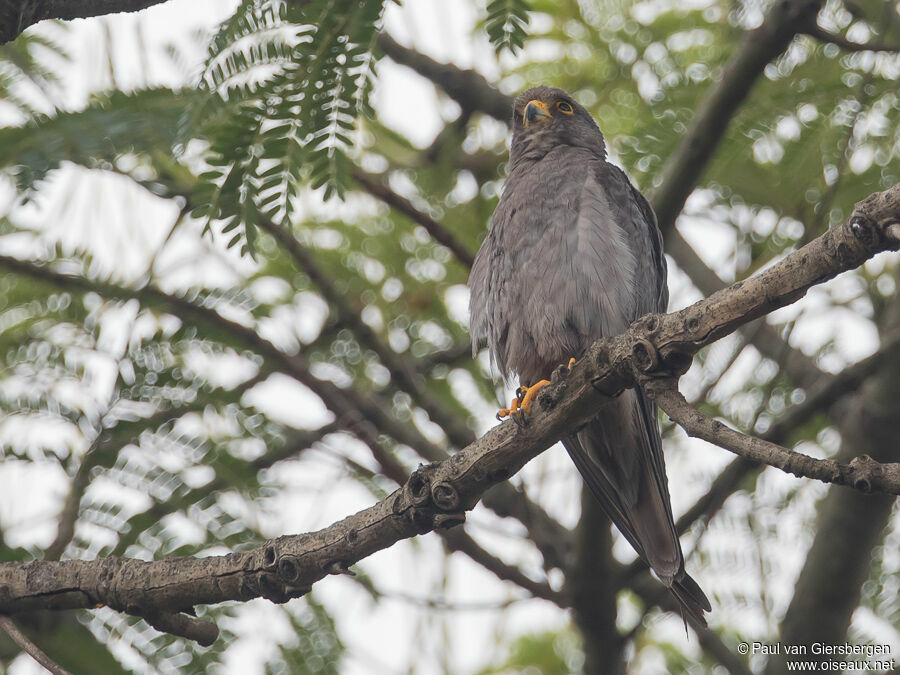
{"points": [[17, 15], [684, 167], [466, 87], [457, 540], [436, 496], [27, 646], [823, 35], [437, 231], [862, 473]]}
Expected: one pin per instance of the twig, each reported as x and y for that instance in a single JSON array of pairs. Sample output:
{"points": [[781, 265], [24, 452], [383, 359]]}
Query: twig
{"points": [[862, 473], [27, 646], [200, 631], [823, 35], [437, 230], [458, 540], [466, 87]]}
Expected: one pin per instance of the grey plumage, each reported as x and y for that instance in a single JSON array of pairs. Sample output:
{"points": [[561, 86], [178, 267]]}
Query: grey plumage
{"points": [[574, 254]]}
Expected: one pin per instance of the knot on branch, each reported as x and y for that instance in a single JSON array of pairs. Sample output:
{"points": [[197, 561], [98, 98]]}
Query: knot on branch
{"points": [[280, 578], [429, 505], [445, 496], [600, 355], [865, 473], [671, 359], [863, 229], [876, 219], [644, 355]]}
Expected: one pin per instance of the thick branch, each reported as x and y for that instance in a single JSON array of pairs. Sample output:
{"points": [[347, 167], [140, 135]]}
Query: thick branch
{"points": [[437, 496], [17, 15]]}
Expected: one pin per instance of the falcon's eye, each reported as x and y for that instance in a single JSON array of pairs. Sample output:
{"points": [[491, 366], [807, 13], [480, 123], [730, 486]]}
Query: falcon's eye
{"points": [[565, 107]]}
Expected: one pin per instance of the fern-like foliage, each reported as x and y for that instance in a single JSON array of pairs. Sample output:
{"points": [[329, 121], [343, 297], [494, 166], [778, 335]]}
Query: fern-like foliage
{"points": [[283, 89], [26, 83], [114, 124], [291, 81], [507, 24]]}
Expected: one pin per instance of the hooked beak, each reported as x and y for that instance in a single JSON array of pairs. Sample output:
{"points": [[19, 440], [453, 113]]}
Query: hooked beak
{"points": [[534, 111]]}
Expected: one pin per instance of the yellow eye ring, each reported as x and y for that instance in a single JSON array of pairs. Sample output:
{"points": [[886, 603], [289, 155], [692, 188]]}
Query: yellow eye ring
{"points": [[565, 107]]}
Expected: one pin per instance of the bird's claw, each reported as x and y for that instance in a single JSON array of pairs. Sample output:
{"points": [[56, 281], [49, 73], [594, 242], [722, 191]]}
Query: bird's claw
{"points": [[520, 406]]}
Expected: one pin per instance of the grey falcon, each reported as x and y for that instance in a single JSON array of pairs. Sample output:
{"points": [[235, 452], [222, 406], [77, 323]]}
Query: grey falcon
{"points": [[574, 254]]}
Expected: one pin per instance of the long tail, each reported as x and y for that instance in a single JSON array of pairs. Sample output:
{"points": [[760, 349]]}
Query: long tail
{"points": [[619, 455]]}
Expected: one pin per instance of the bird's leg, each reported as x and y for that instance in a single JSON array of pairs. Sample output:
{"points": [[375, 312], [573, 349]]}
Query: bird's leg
{"points": [[530, 393], [513, 407], [521, 404]]}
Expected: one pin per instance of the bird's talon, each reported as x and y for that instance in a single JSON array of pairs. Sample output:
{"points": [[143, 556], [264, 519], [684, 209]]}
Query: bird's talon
{"points": [[521, 404], [513, 407], [530, 394]]}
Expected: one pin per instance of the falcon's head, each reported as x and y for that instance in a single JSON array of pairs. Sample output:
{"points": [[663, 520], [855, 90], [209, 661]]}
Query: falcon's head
{"points": [[545, 118]]}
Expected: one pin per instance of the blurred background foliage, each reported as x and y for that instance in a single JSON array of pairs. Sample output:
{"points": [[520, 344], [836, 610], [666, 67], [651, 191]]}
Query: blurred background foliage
{"points": [[234, 306]]}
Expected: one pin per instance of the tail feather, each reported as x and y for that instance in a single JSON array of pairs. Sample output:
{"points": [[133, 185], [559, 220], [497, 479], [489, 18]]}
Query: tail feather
{"points": [[619, 455], [691, 597]]}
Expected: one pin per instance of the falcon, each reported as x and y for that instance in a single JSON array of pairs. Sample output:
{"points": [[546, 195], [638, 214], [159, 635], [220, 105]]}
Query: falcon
{"points": [[574, 254]]}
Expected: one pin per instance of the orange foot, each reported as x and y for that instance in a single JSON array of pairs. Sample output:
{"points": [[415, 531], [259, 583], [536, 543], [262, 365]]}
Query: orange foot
{"points": [[522, 402], [525, 397]]}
